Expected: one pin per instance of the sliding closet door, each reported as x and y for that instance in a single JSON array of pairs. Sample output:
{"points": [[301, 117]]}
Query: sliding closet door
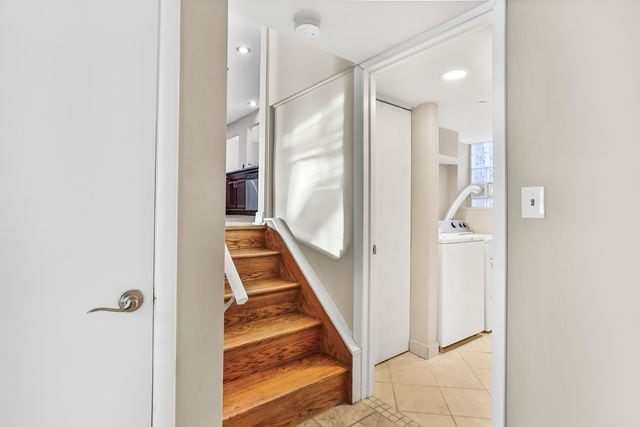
{"points": [[391, 230]]}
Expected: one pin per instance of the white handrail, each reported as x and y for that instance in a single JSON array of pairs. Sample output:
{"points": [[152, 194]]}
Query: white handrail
{"points": [[239, 293]]}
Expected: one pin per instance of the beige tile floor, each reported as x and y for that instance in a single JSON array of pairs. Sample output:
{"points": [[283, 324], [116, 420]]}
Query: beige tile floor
{"points": [[450, 390]]}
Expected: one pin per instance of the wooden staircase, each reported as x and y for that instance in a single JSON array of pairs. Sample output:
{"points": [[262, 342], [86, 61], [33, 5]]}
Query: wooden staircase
{"points": [[283, 358]]}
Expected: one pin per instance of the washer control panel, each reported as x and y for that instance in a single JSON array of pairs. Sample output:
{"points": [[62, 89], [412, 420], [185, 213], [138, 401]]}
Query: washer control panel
{"points": [[453, 226]]}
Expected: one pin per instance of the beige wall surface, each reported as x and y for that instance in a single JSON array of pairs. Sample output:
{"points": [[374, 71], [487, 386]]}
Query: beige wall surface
{"points": [[447, 188], [449, 140], [336, 276], [424, 229], [573, 281], [201, 195], [479, 219], [294, 66]]}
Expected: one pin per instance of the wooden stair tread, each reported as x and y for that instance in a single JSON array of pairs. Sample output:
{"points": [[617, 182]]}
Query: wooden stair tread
{"points": [[243, 334], [252, 391], [264, 286], [245, 227], [252, 253], [283, 359]]}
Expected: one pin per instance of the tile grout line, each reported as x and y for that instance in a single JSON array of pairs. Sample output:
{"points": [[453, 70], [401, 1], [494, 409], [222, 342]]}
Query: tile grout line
{"points": [[446, 403], [474, 372], [397, 411], [475, 375], [393, 389], [386, 411], [383, 407]]}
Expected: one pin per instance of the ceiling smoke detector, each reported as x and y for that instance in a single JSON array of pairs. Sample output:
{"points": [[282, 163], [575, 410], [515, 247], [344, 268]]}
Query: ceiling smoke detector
{"points": [[307, 24]]}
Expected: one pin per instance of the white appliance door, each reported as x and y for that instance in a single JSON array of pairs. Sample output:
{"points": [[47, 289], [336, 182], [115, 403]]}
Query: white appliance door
{"points": [[461, 313], [391, 226], [77, 155]]}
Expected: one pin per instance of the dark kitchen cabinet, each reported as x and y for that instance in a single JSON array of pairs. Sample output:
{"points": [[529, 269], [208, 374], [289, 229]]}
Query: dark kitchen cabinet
{"points": [[242, 192], [231, 195]]}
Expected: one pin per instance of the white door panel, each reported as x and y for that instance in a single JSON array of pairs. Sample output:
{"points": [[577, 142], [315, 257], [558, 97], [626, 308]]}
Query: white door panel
{"points": [[77, 160], [391, 225], [461, 278]]}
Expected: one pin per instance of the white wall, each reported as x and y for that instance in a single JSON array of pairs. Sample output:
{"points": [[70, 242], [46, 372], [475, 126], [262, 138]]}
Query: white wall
{"points": [[201, 213], [573, 281], [247, 153]]}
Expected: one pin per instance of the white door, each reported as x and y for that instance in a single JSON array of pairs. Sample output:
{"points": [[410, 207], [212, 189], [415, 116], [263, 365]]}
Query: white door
{"points": [[77, 156], [391, 230]]}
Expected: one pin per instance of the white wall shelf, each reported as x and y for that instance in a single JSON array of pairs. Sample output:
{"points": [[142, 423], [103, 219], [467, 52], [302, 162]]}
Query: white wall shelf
{"points": [[448, 160]]}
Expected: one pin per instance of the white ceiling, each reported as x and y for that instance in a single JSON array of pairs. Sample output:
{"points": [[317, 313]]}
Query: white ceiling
{"points": [[355, 30], [243, 77], [419, 80]]}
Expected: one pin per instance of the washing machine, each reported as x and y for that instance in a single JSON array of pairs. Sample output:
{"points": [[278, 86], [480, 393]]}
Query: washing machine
{"points": [[462, 269]]}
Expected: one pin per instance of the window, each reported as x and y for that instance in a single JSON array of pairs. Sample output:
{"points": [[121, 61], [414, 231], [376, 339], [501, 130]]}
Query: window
{"points": [[482, 174]]}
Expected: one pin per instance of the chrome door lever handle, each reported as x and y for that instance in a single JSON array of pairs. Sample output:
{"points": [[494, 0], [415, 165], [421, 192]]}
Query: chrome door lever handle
{"points": [[129, 301]]}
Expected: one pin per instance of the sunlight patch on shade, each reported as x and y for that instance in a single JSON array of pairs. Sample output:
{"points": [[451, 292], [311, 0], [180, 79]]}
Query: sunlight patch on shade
{"points": [[313, 172]]}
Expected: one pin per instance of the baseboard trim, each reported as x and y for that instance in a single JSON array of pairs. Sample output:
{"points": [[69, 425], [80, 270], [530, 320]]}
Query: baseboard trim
{"points": [[426, 351]]}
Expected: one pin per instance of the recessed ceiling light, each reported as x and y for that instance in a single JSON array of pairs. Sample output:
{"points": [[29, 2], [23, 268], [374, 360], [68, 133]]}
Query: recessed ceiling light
{"points": [[253, 103], [243, 50], [454, 75]]}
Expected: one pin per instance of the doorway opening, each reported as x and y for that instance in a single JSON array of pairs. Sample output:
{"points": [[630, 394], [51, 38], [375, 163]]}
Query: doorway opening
{"points": [[339, 169], [243, 120], [437, 229]]}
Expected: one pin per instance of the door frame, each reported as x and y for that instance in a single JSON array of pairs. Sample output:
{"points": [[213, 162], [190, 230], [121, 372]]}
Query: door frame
{"points": [[163, 394], [492, 14]]}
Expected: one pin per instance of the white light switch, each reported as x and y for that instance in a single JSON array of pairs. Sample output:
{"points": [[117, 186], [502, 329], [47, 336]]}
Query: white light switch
{"points": [[533, 202]]}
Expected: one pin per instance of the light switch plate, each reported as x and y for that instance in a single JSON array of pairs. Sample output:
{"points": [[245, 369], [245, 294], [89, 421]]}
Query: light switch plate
{"points": [[533, 202]]}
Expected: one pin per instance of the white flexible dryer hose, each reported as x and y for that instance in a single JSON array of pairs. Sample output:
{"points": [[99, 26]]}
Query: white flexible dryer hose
{"points": [[471, 189]]}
